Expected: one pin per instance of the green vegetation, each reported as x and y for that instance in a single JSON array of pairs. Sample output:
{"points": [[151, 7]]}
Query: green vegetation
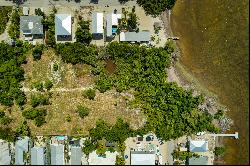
{"points": [[103, 131], [5, 120], [7, 134], [103, 82], [90, 94], [48, 85], [14, 28], [219, 114], [68, 118], [77, 53], [88, 147], [156, 7], [37, 52], [170, 46], [82, 111], [133, 21], [49, 26], [183, 155], [83, 34], [39, 99], [4, 17], [219, 151], [55, 67], [38, 86], [37, 114], [11, 74], [119, 160], [39, 12], [172, 111], [23, 130]]}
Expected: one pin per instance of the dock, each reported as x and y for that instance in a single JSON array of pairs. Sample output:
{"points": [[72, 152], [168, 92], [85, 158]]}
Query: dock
{"points": [[235, 135]]}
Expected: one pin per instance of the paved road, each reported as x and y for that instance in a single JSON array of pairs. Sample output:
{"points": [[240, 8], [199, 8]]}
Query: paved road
{"points": [[5, 36], [58, 3], [170, 148]]}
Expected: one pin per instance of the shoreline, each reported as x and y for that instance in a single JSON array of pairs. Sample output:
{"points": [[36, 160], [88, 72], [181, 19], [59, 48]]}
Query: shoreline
{"points": [[183, 78]]}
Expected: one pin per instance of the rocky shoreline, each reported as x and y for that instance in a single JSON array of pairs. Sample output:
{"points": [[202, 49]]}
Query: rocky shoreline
{"points": [[178, 74]]}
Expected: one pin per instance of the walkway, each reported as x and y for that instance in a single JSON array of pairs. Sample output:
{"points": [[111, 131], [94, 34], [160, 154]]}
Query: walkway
{"points": [[24, 89], [236, 135]]}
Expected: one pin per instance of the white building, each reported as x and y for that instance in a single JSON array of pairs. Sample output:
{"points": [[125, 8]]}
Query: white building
{"points": [[142, 158], [97, 23], [112, 23]]}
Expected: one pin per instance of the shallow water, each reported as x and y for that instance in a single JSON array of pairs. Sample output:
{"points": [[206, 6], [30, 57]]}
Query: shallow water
{"points": [[214, 36]]}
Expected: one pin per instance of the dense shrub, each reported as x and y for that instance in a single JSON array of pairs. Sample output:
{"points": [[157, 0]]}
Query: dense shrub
{"points": [[90, 94], [11, 74], [82, 111]]}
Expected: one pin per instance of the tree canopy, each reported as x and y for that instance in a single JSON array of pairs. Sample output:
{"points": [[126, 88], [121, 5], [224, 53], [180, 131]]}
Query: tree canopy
{"points": [[156, 7], [83, 34], [11, 74]]}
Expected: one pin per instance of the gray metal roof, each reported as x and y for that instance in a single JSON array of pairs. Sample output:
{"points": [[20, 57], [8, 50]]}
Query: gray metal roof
{"points": [[31, 25], [4, 153], [198, 146], [109, 25], [60, 29], [76, 155], [57, 154], [137, 37], [37, 156], [20, 147], [202, 160]]}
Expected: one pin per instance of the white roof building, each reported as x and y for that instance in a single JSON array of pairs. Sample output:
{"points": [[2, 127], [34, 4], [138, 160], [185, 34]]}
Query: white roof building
{"points": [[97, 23], [142, 158], [63, 24], [25, 11], [198, 146], [112, 20], [94, 159], [4, 153], [37, 156]]}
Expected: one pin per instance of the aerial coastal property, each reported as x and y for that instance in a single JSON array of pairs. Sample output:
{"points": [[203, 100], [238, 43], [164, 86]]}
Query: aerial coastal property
{"points": [[90, 82]]}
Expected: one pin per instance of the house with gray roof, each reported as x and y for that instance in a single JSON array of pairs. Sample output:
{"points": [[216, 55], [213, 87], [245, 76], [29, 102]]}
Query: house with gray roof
{"points": [[37, 156], [4, 153], [76, 155], [198, 146], [31, 26], [57, 154], [21, 146], [202, 160], [139, 37], [63, 25]]}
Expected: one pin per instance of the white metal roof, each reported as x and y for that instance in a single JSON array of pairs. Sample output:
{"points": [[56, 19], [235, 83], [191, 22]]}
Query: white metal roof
{"points": [[97, 22], [4, 153], [63, 24], [115, 18], [142, 159], [110, 158], [198, 146]]}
